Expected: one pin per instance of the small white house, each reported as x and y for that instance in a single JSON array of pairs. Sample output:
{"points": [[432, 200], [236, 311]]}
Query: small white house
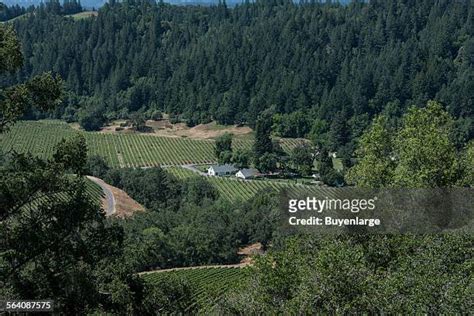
{"points": [[247, 173], [221, 170]]}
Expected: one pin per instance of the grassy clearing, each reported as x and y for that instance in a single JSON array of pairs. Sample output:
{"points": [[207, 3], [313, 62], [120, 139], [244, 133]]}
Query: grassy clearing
{"points": [[83, 15], [77, 16], [15, 18]]}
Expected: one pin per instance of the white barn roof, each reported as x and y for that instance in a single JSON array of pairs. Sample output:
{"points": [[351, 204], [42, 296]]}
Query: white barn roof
{"points": [[223, 168], [249, 172]]}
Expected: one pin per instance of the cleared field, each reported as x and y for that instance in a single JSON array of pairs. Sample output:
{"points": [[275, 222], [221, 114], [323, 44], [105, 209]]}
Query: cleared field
{"points": [[120, 150], [234, 189], [15, 18], [83, 15], [208, 285]]}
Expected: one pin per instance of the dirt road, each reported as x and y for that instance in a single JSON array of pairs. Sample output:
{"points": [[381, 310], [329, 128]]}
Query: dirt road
{"points": [[109, 196]]}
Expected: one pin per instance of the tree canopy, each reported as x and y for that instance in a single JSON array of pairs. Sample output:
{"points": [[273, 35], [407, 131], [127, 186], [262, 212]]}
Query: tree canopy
{"points": [[420, 153]]}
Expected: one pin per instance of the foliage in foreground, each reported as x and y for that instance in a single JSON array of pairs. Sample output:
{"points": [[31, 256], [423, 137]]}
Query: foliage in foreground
{"points": [[420, 153], [50, 246], [361, 274]]}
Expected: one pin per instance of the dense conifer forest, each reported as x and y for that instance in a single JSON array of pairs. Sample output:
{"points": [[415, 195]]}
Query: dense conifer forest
{"points": [[322, 70]]}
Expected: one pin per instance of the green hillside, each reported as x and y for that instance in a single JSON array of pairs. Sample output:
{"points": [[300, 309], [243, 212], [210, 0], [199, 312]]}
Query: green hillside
{"points": [[23, 16]]}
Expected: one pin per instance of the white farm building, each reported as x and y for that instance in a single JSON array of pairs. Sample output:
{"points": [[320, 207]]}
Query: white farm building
{"points": [[221, 170], [247, 173]]}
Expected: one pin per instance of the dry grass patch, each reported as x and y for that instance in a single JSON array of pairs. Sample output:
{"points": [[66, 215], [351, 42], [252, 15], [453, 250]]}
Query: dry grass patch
{"points": [[164, 128]]}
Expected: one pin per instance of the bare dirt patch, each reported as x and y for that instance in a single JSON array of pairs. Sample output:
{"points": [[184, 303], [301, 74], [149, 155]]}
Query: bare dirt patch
{"points": [[212, 130], [201, 131], [125, 206], [114, 127], [248, 252], [164, 128]]}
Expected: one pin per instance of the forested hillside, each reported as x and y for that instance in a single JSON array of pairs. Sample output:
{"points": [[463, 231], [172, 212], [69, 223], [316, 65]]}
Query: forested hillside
{"points": [[323, 71], [332, 66]]}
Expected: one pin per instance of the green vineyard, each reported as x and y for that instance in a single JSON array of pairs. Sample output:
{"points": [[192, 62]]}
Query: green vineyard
{"points": [[120, 150], [207, 284], [93, 190], [234, 189]]}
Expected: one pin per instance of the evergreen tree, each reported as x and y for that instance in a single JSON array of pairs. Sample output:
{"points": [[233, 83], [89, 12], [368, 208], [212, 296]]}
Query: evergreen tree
{"points": [[223, 148], [263, 142]]}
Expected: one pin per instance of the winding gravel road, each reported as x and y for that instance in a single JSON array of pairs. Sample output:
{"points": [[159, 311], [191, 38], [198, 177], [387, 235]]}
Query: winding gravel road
{"points": [[110, 209], [109, 195]]}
